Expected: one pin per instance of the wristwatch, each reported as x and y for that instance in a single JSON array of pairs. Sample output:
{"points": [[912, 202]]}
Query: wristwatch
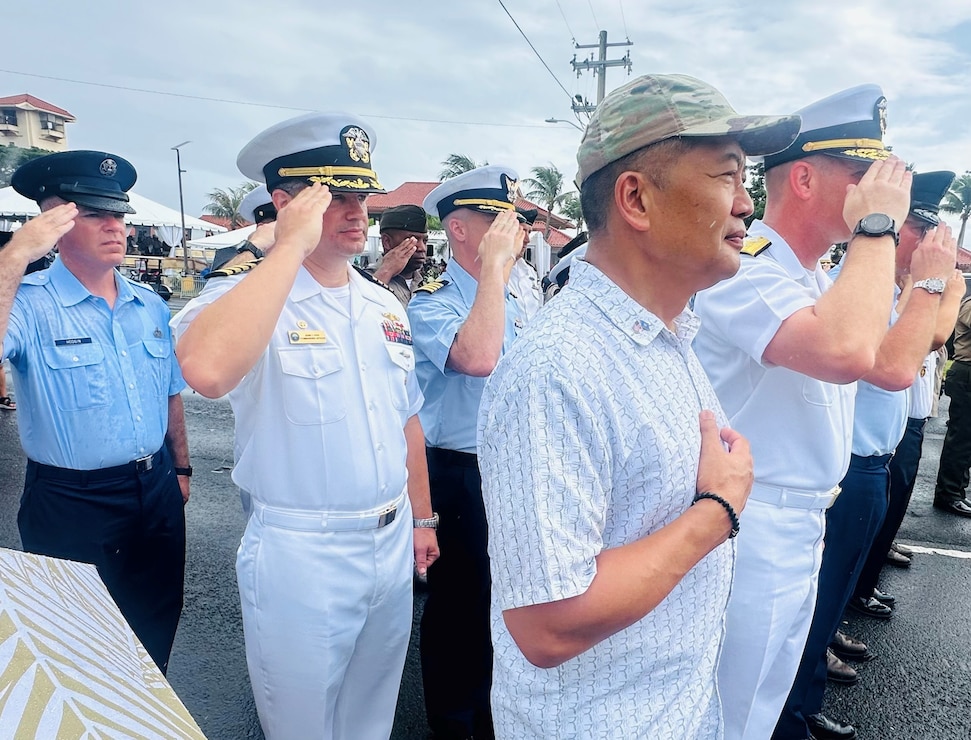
{"points": [[931, 285], [430, 523], [187, 472], [877, 224], [248, 246]]}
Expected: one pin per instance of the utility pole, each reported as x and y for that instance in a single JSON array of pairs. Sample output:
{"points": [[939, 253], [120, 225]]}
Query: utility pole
{"points": [[599, 67]]}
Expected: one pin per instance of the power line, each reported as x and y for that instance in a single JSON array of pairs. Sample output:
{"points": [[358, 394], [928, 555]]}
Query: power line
{"points": [[261, 105], [595, 21], [623, 17], [573, 36], [567, 92]]}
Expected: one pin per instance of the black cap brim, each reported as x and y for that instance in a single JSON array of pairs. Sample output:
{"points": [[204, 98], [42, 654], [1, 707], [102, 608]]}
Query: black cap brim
{"points": [[111, 205]]}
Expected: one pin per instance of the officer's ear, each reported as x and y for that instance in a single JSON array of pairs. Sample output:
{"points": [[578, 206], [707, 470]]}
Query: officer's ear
{"points": [[634, 199], [280, 198], [804, 178]]}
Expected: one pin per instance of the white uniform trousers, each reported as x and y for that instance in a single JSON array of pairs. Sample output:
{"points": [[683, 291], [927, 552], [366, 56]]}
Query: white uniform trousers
{"points": [[327, 618], [769, 614]]}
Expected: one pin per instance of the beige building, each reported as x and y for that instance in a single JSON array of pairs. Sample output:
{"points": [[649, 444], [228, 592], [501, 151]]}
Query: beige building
{"points": [[26, 121]]}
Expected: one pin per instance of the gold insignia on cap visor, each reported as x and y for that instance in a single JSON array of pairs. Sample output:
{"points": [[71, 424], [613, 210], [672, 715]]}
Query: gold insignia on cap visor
{"points": [[333, 176], [815, 146], [487, 203]]}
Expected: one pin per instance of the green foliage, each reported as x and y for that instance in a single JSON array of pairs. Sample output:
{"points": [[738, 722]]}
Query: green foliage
{"points": [[11, 157], [457, 164], [546, 188], [958, 200], [755, 185], [225, 203], [570, 207]]}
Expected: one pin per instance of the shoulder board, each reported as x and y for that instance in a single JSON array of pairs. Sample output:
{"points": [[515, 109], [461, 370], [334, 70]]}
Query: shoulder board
{"points": [[370, 278], [432, 286], [755, 245], [235, 269]]}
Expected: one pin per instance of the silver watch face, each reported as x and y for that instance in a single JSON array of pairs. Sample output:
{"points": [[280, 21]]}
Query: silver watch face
{"points": [[931, 285]]}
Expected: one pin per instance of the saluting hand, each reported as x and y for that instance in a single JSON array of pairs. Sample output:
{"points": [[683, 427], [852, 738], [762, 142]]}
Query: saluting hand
{"points": [[39, 235], [299, 222], [884, 188], [501, 243], [936, 255], [726, 472]]}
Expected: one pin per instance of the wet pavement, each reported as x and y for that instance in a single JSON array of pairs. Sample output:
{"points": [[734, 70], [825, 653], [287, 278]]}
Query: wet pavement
{"points": [[918, 688]]}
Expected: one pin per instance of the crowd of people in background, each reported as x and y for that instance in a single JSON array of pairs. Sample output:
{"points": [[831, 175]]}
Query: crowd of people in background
{"points": [[641, 509]]}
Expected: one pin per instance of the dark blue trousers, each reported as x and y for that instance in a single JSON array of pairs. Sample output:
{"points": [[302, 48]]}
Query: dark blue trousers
{"points": [[903, 476], [851, 524], [131, 527], [456, 636]]}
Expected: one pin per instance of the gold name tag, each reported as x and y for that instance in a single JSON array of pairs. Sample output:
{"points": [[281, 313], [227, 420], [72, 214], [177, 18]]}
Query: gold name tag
{"points": [[307, 336]]}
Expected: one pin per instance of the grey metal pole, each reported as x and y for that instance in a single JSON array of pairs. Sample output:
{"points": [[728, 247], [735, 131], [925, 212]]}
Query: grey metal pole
{"points": [[185, 253]]}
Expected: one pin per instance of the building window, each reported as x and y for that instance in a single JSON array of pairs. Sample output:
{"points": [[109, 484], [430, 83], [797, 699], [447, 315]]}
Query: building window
{"points": [[51, 123], [8, 116]]}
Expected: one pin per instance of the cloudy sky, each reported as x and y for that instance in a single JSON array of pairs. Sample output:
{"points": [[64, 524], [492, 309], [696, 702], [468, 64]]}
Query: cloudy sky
{"points": [[441, 76]]}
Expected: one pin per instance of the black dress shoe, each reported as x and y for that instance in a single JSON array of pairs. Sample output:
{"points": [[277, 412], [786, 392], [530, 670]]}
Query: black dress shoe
{"points": [[902, 549], [870, 607], [959, 507], [849, 648], [897, 559], [838, 672], [824, 728], [884, 598]]}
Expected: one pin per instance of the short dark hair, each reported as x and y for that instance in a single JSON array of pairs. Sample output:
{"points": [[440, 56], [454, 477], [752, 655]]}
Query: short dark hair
{"points": [[291, 186], [597, 191]]}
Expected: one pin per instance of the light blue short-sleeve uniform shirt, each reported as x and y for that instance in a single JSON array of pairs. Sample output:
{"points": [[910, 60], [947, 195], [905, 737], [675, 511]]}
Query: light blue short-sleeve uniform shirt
{"points": [[451, 398], [881, 415], [93, 382]]}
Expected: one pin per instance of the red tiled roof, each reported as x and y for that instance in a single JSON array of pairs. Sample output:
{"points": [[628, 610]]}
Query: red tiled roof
{"points": [[404, 194], [224, 222], [558, 239], [24, 98], [964, 259]]}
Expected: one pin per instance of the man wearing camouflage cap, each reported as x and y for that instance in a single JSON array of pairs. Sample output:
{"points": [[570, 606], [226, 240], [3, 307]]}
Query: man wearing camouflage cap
{"points": [[611, 482], [782, 355]]}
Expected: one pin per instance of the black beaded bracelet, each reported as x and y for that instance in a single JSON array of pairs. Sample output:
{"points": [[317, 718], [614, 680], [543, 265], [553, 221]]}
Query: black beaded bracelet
{"points": [[728, 508]]}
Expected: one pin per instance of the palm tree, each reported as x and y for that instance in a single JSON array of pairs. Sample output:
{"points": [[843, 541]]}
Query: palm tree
{"points": [[958, 200], [225, 203], [572, 210], [546, 188], [456, 164]]}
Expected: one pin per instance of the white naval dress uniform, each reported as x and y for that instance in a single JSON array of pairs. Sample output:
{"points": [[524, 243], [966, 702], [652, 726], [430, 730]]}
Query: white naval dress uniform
{"points": [[800, 431], [326, 592]]}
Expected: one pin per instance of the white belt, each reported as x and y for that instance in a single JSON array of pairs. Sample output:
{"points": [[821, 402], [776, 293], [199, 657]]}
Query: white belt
{"points": [[327, 521], [793, 498]]}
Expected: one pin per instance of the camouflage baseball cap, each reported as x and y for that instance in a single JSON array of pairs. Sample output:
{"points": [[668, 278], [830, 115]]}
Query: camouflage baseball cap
{"points": [[653, 108]]}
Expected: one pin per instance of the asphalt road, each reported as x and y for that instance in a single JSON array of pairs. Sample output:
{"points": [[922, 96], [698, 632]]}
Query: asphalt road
{"points": [[918, 688]]}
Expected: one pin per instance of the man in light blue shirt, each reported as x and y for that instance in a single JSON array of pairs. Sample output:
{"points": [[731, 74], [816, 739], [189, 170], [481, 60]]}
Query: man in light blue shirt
{"points": [[461, 325], [101, 416]]}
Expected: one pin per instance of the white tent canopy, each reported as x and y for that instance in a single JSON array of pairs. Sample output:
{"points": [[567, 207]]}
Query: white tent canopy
{"points": [[225, 239], [148, 213]]}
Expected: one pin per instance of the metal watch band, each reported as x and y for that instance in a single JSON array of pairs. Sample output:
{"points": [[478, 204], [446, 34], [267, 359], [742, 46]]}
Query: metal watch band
{"points": [[430, 523]]}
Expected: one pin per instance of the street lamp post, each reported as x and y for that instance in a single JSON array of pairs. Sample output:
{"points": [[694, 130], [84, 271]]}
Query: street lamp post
{"points": [[561, 120], [178, 163]]}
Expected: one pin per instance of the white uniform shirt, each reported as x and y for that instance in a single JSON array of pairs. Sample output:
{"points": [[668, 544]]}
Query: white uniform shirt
{"points": [[524, 284], [320, 418], [922, 391], [800, 428], [588, 440]]}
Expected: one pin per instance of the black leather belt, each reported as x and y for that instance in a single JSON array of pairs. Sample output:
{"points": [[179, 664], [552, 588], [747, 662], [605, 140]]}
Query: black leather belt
{"points": [[452, 457], [67, 475]]}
